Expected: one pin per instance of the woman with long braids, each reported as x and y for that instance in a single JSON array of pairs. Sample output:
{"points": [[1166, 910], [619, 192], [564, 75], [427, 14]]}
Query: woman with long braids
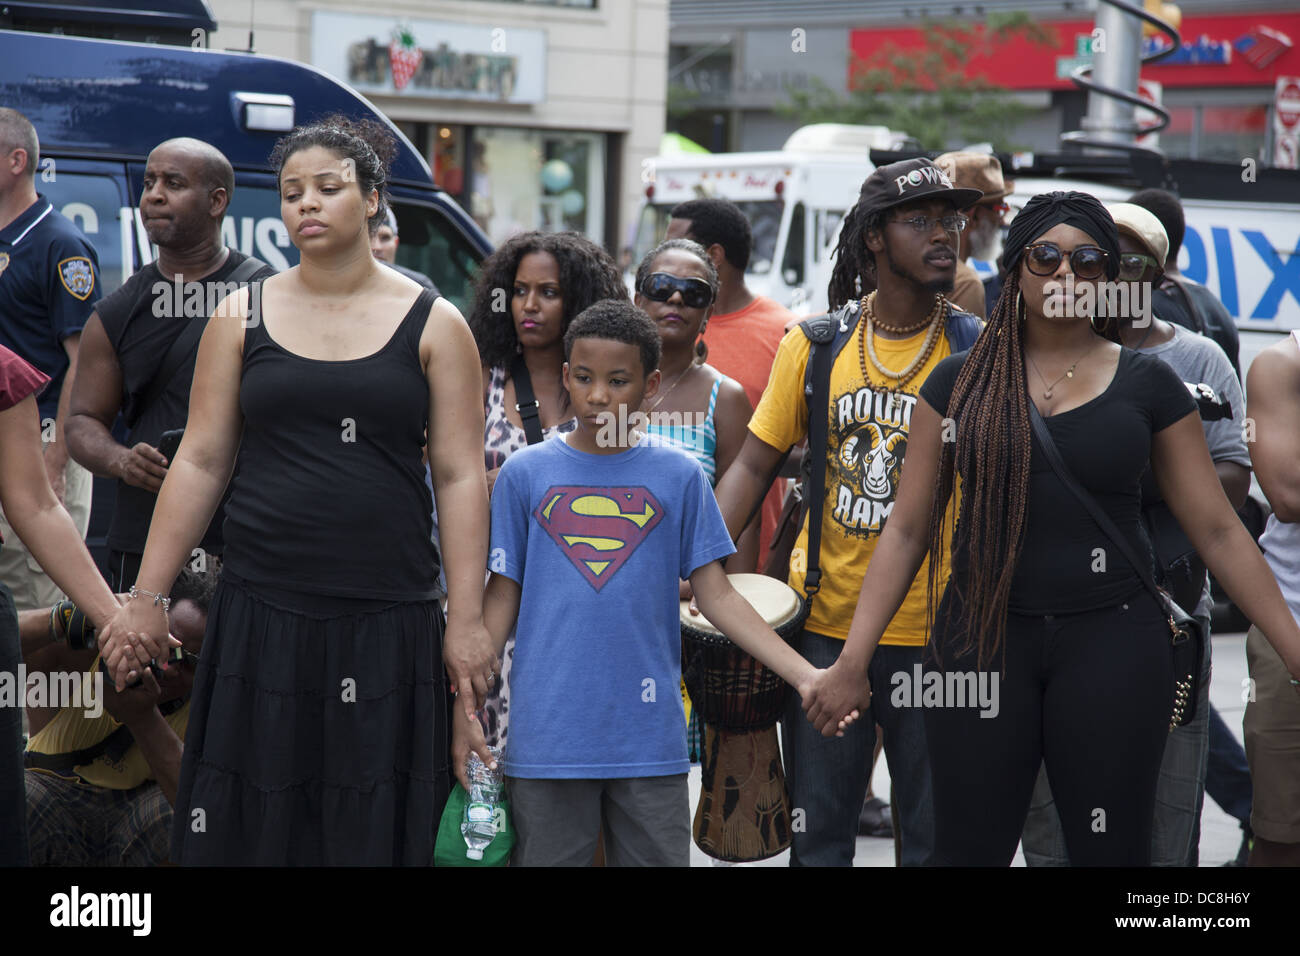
{"points": [[1041, 612], [526, 294], [319, 727]]}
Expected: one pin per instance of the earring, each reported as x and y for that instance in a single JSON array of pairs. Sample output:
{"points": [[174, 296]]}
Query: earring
{"points": [[1099, 329], [1020, 307], [701, 352]]}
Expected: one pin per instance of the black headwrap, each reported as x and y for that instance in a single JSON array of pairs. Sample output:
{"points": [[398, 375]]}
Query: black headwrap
{"points": [[1072, 208]]}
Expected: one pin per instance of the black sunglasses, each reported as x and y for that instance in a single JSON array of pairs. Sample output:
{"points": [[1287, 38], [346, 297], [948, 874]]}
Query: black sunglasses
{"points": [[1086, 262], [660, 286]]}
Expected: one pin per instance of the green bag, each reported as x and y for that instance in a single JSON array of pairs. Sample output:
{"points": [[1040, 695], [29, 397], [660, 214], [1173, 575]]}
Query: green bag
{"points": [[450, 848]]}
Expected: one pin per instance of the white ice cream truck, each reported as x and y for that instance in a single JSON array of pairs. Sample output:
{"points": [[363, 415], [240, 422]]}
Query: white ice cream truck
{"points": [[794, 198]]}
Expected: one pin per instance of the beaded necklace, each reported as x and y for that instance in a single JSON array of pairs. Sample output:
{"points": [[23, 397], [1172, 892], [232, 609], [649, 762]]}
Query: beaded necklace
{"points": [[867, 344]]}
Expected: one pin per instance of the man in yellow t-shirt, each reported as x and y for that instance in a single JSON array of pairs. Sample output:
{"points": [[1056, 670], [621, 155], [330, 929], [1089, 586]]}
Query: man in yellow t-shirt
{"points": [[901, 236], [102, 770]]}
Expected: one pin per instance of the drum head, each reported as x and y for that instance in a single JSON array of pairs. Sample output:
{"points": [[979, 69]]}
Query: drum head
{"points": [[775, 601]]}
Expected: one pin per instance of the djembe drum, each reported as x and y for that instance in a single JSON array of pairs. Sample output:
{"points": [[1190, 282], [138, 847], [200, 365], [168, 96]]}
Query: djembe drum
{"points": [[744, 809]]}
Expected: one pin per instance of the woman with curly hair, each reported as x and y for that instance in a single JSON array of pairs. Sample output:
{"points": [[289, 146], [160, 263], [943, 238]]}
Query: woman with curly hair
{"points": [[319, 726], [1041, 611], [526, 294]]}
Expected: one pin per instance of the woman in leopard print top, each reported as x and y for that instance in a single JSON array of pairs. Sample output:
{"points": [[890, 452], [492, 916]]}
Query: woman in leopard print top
{"points": [[527, 293]]}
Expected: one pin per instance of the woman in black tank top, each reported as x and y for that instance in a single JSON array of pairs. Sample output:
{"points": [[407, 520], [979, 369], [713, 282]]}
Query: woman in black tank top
{"points": [[319, 730]]}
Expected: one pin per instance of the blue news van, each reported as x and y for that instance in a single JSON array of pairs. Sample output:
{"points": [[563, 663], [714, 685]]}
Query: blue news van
{"points": [[99, 106]]}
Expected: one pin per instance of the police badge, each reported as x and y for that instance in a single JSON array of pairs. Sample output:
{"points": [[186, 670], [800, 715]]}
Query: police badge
{"points": [[78, 277]]}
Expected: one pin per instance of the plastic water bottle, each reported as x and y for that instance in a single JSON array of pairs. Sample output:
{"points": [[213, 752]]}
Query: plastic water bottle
{"points": [[478, 824]]}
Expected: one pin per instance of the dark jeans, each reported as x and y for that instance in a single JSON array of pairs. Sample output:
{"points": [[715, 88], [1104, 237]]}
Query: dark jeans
{"points": [[1228, 779], [13, 792], [827, 776], [1088, 695]]}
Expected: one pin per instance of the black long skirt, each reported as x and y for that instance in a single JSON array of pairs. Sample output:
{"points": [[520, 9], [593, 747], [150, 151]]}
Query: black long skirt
{"points": [[319, 733]]}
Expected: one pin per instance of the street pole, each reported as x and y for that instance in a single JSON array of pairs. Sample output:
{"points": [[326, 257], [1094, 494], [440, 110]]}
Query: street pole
{"points": [[1116, 61]]}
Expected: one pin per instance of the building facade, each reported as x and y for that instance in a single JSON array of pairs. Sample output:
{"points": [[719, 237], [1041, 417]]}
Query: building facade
{"points": [[534, 114], [732, 63]]}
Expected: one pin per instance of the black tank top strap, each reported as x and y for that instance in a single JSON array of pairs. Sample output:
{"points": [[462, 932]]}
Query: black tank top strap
{"points": [[412, 327], [254, 331]]}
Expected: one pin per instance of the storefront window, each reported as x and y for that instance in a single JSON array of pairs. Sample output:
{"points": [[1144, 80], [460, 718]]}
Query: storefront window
{"points": [[520, 179], [1231, 132], [583, 4], [1227, 132]]}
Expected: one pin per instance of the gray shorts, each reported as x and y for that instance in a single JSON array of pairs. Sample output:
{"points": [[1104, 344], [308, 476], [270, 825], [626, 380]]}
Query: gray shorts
{"points": [[647, 821]]}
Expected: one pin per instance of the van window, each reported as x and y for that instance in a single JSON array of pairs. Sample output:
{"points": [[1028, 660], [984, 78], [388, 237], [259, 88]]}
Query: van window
{"points": [[827, 221], [764, 221], [429, 242], [95, 203], [792, 261]]}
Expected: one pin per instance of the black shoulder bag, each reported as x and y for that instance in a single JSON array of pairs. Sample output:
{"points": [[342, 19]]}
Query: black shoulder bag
{"points": [[1186, 633], [526, 403]]}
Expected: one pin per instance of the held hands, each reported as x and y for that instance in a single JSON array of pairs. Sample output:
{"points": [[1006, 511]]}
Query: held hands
{"points": [[472, 664], [834, 698], [467, 736], [131, 706], [137, 634]]}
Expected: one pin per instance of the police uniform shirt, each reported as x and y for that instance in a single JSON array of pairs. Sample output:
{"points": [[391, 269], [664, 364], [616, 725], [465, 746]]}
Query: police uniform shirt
{"points": [[49, 274]]}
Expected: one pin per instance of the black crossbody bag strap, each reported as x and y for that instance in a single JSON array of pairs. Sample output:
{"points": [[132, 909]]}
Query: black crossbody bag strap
{"points": [[184, 344], [526, 403], [1089, 503]]}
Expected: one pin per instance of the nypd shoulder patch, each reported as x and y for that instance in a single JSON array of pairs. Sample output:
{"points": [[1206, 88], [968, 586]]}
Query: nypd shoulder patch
{"points": [[78, 277]]}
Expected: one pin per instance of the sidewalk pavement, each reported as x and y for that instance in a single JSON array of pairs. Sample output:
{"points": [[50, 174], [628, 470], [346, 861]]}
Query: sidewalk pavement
{"points": [[1220, 833]]}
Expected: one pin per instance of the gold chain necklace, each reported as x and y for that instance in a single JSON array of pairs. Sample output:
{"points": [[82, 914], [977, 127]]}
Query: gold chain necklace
{"points": [[677, 381], [1069, 373], [867, 344]]}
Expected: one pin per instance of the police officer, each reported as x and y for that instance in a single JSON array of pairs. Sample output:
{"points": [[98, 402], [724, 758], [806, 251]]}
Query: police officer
{"points": [[49, 274]]}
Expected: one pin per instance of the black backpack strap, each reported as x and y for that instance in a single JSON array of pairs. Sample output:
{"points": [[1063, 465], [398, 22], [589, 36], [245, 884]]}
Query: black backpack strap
{"points": [[526, 403], [185, 344], [827, 334], [1194, 314]]}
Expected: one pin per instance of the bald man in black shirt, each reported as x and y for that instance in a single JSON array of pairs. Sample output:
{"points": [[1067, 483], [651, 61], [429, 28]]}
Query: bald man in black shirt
{"points": [[140, 344]]}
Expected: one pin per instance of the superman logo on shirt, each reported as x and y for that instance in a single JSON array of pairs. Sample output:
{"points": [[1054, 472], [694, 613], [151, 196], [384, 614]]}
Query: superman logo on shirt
{"points": [[597, 529]]}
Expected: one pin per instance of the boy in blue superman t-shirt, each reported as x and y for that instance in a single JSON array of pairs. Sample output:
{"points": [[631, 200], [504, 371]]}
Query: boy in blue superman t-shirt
{"points": [[589, 539]]}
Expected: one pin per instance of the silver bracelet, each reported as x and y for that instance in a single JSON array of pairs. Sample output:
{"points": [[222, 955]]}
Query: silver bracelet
{"points": [[165, 601]]}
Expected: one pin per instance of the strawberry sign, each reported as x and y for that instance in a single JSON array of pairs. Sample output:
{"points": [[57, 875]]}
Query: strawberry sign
{"points": [[404, 56]]}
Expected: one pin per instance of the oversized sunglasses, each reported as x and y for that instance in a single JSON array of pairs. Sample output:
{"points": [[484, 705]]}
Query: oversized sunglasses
{"points": [[1133, 264], [660, 286], [1086, 262]]}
